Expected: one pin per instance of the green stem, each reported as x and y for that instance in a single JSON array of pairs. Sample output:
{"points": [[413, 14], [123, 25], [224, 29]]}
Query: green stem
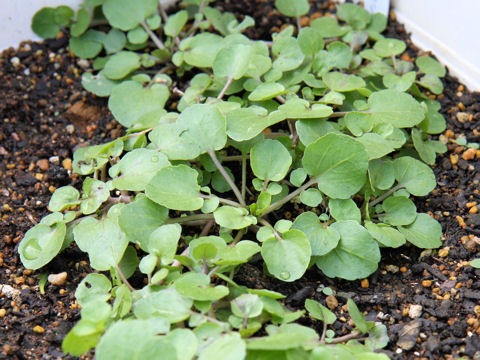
{"points": [[158, 43], [227, 177], [244, 176], [184, 219], [137, 134], [225, 88], [289, 197], [223, 200], [299, 25], [123, 278], [385, 195], [275, 232]]}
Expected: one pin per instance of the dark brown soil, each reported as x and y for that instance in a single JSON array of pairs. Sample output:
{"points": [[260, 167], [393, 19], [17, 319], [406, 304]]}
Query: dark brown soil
{"points": [[46, 114]]}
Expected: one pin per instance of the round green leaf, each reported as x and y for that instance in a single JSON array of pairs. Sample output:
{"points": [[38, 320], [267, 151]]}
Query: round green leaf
{"points": [[389, 47], [341, 82], [432, 83], [88, 45], [43, 23], [266, 91], [226, 347], [385, 234], [41, 244], [375, 145], [414, 175], [140, 218], [114, 41], [138, 167], [103, 240], [163, 242], [399, 210], [137, 35], [233, 217], [176, 188], [321, 237], [431, 66], [197, 286], [300, 109], [127, 14], [82, 23], [185, 341], [270, 160], [338, 163], [396, 108], [381, 174], [200, 50], [121, 64], [233, 62], [311, 197], [356, 256], [175, 23], [130, 101], [344, 210], [310, 41], [424, 232], [98, 84], [293, 8], [287, 258], [93, 288], [95, 193], [166, 303], [63, 197], [247, 306], [246, 123], [475, 263], [320, 312], [354, 15]]}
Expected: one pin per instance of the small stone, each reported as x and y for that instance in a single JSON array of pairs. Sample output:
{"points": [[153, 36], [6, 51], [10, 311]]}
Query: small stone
{"points": [[43, 164], [408, 335], [38, 329], [3, 312], [15, 61], [469, 154], [67, 164], [331, 302], [415, 311], [403, 269], [70, 128], [473, 210], [392, 268], [449, 134], [83, 63], [54, 160], [427, 283], [444, 252], [39, 176], [453, 159], [459, 329], [57, 279], [364, 283], [462, 116]]}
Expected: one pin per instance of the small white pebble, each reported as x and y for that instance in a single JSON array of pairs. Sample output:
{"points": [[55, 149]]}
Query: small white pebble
{"points": [[54, 160], [26, 72], [415, 311], [15, 61], [83, 63], [27, 47], [57, 279], [70, 128]]}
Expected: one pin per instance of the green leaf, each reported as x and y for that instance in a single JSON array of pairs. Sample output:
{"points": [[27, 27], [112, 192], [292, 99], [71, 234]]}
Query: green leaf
{"points": [[197, 286], [238, 254], [399, 83], [114, 41], [311, 197], [201, 50], [298, 176], [137, 35], [301, 109], [375, 145], [320, 312], [293, 8], [270, 160], [185, 342], [354, 15], [287, 258], [385, 234], [140, 218], [475, 263], [166, 303], [226, 347], [41, 244], [63, 197], [357, 317], [310, 131], [434, 122], [288, 336], [137, 168], [95, 193], [356, 256], [328, 27], [127, 14], [103, 240], [82, 23], [246, 123], [175, 23], [414, 175], [43, 23], [344, 210], [287, 53], [338, 163], [176, 188], [399, 210], [129, 262], [232, 62], [138, 341], [381, 173], [163, 242], [396, 108], [266, 91], [88, 45], [432, 83], [358, 122], [389, 47], [322, 238], [424, 232], [130, 101], [233, 217], [341, 82], [310, 41], [93, 288], [247, 306], [98, 84], [431, 66]]}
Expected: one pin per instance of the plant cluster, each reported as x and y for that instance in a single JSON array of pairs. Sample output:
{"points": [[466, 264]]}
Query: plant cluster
{"points": [[330, 124]]}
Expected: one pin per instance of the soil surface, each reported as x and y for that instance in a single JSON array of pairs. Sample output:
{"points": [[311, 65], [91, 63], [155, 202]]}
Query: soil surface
{"points": [[428, 300]]}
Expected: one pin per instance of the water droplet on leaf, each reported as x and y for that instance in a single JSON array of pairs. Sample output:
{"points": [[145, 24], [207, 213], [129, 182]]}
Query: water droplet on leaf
{"points": [[154, 158], [284, 275]]}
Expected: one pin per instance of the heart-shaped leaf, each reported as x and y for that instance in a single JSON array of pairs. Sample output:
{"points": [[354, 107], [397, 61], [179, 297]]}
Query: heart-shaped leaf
{"points": [[424, 232]]}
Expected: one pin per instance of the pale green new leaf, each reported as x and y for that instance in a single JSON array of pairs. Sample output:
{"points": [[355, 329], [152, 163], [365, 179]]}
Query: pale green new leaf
{"points": [[197, 286], [63, 197], [270, 160], [322, 238], [232, 62], [414, 175], [175, 23], [293, 8], [341, 82], [233, 217], [431, 66], [320, 312], [345, 209], [127, 14], [385, 234], [398, 210], [424, 232]]}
